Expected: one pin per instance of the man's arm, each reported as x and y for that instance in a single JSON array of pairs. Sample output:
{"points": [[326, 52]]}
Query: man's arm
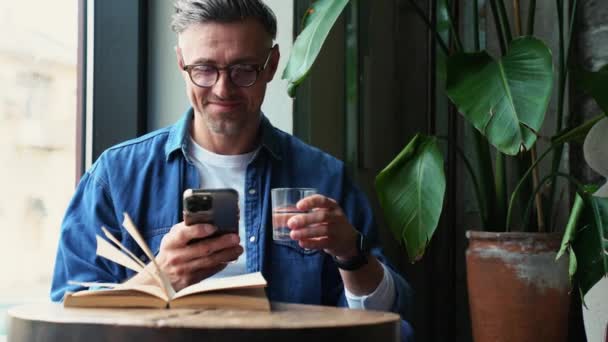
{"points": [[89, 209], [328, 228]]}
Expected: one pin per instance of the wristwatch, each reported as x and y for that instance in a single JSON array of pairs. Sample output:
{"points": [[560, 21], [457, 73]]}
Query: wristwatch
{"points": [[358, 260]]}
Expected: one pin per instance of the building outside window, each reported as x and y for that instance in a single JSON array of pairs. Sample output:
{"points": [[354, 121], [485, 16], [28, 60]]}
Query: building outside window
{"points": [[38, 50]]}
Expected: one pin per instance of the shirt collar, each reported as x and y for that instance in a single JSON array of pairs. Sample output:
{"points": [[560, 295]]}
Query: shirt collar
{"points": [[179, 134]]}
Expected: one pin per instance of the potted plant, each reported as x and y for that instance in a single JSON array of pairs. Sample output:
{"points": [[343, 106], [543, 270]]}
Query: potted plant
{"points": [[505, 98]]}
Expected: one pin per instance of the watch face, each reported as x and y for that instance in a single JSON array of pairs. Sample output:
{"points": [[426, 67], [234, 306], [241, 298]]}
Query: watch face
{"points": [[362, 244], [357, 261]]}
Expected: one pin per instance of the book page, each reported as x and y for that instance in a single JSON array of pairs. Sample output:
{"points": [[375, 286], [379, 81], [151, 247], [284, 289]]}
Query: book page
{"points": [[125, 290], [241, 299], [108, 251], [234, 282], [132, 230]]}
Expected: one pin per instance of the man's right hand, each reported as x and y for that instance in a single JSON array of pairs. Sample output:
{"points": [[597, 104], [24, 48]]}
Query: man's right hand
{"points": [[186, 263]]}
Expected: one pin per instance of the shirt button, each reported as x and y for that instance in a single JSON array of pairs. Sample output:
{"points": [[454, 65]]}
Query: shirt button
{"points": [[252, 239], [252, 191]]}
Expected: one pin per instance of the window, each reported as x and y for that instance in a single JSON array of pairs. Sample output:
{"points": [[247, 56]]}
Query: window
{"points": [[38, 50]]}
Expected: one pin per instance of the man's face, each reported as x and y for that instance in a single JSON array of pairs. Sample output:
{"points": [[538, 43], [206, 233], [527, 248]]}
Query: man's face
{"points": [[226, 108]]}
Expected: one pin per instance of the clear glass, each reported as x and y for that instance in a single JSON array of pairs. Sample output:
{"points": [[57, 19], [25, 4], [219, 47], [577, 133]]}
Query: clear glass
{"points": [[38, 51], [284, 202]]}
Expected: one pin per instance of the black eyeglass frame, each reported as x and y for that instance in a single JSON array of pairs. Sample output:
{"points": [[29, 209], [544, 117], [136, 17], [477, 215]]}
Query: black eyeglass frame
{"points": [[258, 69]]}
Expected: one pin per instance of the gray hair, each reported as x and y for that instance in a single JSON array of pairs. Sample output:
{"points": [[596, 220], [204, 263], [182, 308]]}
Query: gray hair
{"points": [[188, 12]]}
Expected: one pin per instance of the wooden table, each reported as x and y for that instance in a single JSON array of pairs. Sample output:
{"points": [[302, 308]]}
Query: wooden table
{"points": [[287, 322]]}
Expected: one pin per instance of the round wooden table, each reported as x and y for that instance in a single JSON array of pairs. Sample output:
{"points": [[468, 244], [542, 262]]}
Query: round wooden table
{"points": [[286, 322]]}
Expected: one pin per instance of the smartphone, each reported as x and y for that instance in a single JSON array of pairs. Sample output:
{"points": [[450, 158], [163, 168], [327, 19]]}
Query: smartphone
{"points": [[219, 207]]}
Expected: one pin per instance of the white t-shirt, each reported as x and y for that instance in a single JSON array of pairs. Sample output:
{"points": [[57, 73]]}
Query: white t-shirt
{"points": [[219, 171]]}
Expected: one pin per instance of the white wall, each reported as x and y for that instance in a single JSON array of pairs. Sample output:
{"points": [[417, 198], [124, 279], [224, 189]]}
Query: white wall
{"points": [[166, 95], [277, 105]]}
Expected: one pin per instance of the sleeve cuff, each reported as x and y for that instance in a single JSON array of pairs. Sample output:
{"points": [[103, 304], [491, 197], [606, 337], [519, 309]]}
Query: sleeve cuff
{"points": [[381, 298]]}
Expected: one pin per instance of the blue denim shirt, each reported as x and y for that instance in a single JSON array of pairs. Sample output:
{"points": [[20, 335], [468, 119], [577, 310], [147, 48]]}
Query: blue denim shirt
{"points": [[145, 177]]}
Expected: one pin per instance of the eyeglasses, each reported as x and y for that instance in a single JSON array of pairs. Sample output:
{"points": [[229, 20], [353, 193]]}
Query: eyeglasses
{"points": [[241, 75]]}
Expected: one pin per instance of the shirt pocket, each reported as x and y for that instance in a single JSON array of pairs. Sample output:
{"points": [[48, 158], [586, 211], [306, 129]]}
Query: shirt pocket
{"points": [[295, 273], [291, 248], [153, 238]]}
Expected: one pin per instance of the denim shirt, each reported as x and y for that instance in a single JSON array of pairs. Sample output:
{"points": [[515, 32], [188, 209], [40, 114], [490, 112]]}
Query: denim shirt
{"points": [[145, 177]]}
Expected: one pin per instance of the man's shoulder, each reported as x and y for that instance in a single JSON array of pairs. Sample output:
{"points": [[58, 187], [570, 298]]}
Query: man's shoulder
{"points": [[296, 149], [157, 137], [149, 146]]}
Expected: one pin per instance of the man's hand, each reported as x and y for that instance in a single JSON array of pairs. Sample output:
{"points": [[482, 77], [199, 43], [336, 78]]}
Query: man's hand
{"points": [[326, 227], [187, 262]]}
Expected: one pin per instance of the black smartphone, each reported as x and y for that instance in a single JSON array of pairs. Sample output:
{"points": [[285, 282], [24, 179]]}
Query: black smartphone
{"points": [[219, 207]]}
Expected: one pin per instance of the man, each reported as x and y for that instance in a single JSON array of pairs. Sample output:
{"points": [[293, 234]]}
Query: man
{"points": [[226, 55]]}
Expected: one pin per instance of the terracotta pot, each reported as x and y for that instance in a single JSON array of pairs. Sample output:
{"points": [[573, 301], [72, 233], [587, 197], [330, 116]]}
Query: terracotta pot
{"points": [[517, 291]]}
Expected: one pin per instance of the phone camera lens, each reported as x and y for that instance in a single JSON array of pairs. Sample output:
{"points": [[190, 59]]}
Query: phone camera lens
{"points": [[201, 203]]}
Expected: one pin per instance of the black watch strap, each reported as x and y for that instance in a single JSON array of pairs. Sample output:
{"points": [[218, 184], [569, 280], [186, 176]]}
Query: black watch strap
{"points": [[356, 262]]}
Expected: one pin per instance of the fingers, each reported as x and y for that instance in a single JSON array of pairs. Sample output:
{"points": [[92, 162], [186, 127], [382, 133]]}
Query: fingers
{"points": [[187, 278], [310, 232], [315, 217], [317, 201], [184, 270], [181, 234], [208, 247], [220, 258], [317, 243]]}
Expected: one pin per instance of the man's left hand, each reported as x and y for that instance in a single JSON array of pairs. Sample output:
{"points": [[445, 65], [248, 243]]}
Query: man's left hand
{"points": [[324, 227]]}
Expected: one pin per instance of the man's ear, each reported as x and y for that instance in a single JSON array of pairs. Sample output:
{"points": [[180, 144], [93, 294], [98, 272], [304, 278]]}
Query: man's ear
{"points": [[179, 57], [273, 63]]}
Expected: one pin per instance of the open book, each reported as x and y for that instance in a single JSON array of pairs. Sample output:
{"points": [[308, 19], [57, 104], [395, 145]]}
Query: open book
{"points": [[237, 292]]}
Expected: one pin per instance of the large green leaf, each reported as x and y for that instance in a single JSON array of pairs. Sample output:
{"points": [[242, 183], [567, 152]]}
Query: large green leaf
{"points": [[317, 24], [596, 84], [586, 240], [504, 99], [411, 190]]}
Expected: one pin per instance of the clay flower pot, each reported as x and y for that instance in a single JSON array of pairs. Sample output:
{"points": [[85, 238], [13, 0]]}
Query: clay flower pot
{"points": [[517, 291]]}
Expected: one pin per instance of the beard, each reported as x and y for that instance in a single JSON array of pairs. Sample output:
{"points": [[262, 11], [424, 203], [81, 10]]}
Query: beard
{"points": [[229, 124]]}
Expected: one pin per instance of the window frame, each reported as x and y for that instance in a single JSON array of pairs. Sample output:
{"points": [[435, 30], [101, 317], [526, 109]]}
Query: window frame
{"points": [[112, 93]]}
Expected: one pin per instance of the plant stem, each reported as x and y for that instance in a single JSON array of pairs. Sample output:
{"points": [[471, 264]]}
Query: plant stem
{"points": [[430, 26], [478, 193], [522, 163], [538, 188], [499, 28], [540, 220], [454, 31], [486, 176], [524, 160], [561, 83], [500, 186], [562, 65], [531, 17], [481, 201], [522, 179], [476, 25], [577, 132], [505, 20], [517, 17], [573, 6]]}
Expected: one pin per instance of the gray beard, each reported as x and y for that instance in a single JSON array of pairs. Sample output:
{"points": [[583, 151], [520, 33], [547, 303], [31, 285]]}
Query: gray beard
{"points": [[227, 127], [223, 126]]}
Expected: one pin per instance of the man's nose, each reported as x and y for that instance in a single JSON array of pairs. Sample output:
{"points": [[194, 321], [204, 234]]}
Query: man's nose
{"points": [[224, 86]]}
